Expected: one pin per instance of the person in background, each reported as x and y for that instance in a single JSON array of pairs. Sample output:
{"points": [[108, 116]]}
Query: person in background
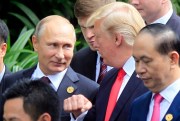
{"points": [[27, 101], [54, 41], [87, 60], [115, 26], [158, 11], [4, 32], [157, 56]]}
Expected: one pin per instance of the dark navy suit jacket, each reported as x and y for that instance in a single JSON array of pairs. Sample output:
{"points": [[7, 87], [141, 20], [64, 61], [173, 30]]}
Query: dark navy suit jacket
{"points": [[133, 89], [140, 108], [5, 73], [84, 62], [174, 23], [81, 84]]}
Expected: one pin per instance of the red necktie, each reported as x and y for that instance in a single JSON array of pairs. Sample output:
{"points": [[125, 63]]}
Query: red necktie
{"points": [[45, 80], [114, 93], [103, 70], [156, 109]]}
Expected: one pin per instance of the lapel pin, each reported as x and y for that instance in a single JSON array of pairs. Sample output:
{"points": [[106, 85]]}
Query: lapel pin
{"points": [[70, 89], [169, 117]]}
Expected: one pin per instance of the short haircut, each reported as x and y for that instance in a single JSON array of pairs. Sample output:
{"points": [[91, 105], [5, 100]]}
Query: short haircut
{"points": [[166, 40], [84, 8], [119, 17], [55, 18], [37, 96], [4, 31]]}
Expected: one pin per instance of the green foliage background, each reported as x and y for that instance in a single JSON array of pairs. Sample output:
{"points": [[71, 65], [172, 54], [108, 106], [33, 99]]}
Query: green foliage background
{"points": [[22, 16]]}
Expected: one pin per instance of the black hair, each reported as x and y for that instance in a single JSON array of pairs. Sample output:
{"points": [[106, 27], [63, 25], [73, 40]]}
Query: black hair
{"points": [[37, 96], [4, 31], [165, 38]]}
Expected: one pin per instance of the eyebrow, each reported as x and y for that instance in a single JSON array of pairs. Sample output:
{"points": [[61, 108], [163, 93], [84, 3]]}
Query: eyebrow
{"points": [[10, 119], [142, 57]]}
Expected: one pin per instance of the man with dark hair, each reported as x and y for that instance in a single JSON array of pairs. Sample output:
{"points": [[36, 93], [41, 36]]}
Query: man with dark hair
{"points": [[31, 101], [157, 56], [87, 60], [4, 32]]}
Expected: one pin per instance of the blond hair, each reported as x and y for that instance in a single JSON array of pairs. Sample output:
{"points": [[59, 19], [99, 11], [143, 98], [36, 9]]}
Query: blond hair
{"points": [[118, 17]]}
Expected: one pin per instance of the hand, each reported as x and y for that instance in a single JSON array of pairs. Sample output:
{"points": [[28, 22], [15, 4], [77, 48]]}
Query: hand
{"points": [[77, 104]]}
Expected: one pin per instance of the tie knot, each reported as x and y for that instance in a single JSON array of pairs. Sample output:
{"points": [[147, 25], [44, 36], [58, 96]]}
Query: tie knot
{"points": [[121, 73], [157, 98], [45, 80]]}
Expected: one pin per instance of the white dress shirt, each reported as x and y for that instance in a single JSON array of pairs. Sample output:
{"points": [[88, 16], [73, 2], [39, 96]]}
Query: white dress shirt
{"points": [[168, 94], [129, 68], [2, 73], [55, 79]]}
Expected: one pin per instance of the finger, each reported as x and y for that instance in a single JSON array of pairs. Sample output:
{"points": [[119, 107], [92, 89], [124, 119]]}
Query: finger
{"points": [[87, 106]]}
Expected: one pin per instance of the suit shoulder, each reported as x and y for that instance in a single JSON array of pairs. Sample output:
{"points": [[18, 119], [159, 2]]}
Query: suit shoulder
{"points": [[25, 73], [86, 81], [142, 98]]}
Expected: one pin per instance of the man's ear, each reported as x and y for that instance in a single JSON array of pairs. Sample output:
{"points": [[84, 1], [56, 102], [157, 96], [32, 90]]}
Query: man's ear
{"points": [[3, 48], [174, 57], [35, 42], [45, 117], [118, 38]]}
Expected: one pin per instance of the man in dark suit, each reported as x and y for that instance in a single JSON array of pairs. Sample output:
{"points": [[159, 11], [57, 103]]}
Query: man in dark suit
{"points": [[4, 31], [158, 11], [54, 41], [87, 60], [115, 27], [157, 64]]}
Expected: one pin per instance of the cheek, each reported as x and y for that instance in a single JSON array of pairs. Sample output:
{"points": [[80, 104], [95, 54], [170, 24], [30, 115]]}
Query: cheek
{"points": [[68, 54], [83, 32]]}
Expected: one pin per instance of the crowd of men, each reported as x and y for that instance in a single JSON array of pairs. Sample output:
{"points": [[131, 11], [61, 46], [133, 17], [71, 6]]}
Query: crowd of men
{"points": [[129, 72]]}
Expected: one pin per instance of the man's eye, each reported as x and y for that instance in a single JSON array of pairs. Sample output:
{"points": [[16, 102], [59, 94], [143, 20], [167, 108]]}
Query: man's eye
{"points": [[136, 61], [146, 61], [67, 46], [91, 27]]}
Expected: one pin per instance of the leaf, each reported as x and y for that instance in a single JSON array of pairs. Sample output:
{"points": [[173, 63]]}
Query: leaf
{"points": [[14, 52], [23, 19], [29, 60], [31, 15]]}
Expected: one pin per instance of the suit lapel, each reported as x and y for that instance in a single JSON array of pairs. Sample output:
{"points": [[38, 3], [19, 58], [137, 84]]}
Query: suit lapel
{"points": [[104, 91], [143, 107], [68, 83], [28, 73], [125, 96], [174, 109]]}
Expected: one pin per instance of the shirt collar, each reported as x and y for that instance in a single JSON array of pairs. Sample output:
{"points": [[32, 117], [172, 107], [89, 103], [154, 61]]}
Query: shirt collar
{"points": [[171, 91], [164, 19], [2, 73], [129, 66], [55, 79]]}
